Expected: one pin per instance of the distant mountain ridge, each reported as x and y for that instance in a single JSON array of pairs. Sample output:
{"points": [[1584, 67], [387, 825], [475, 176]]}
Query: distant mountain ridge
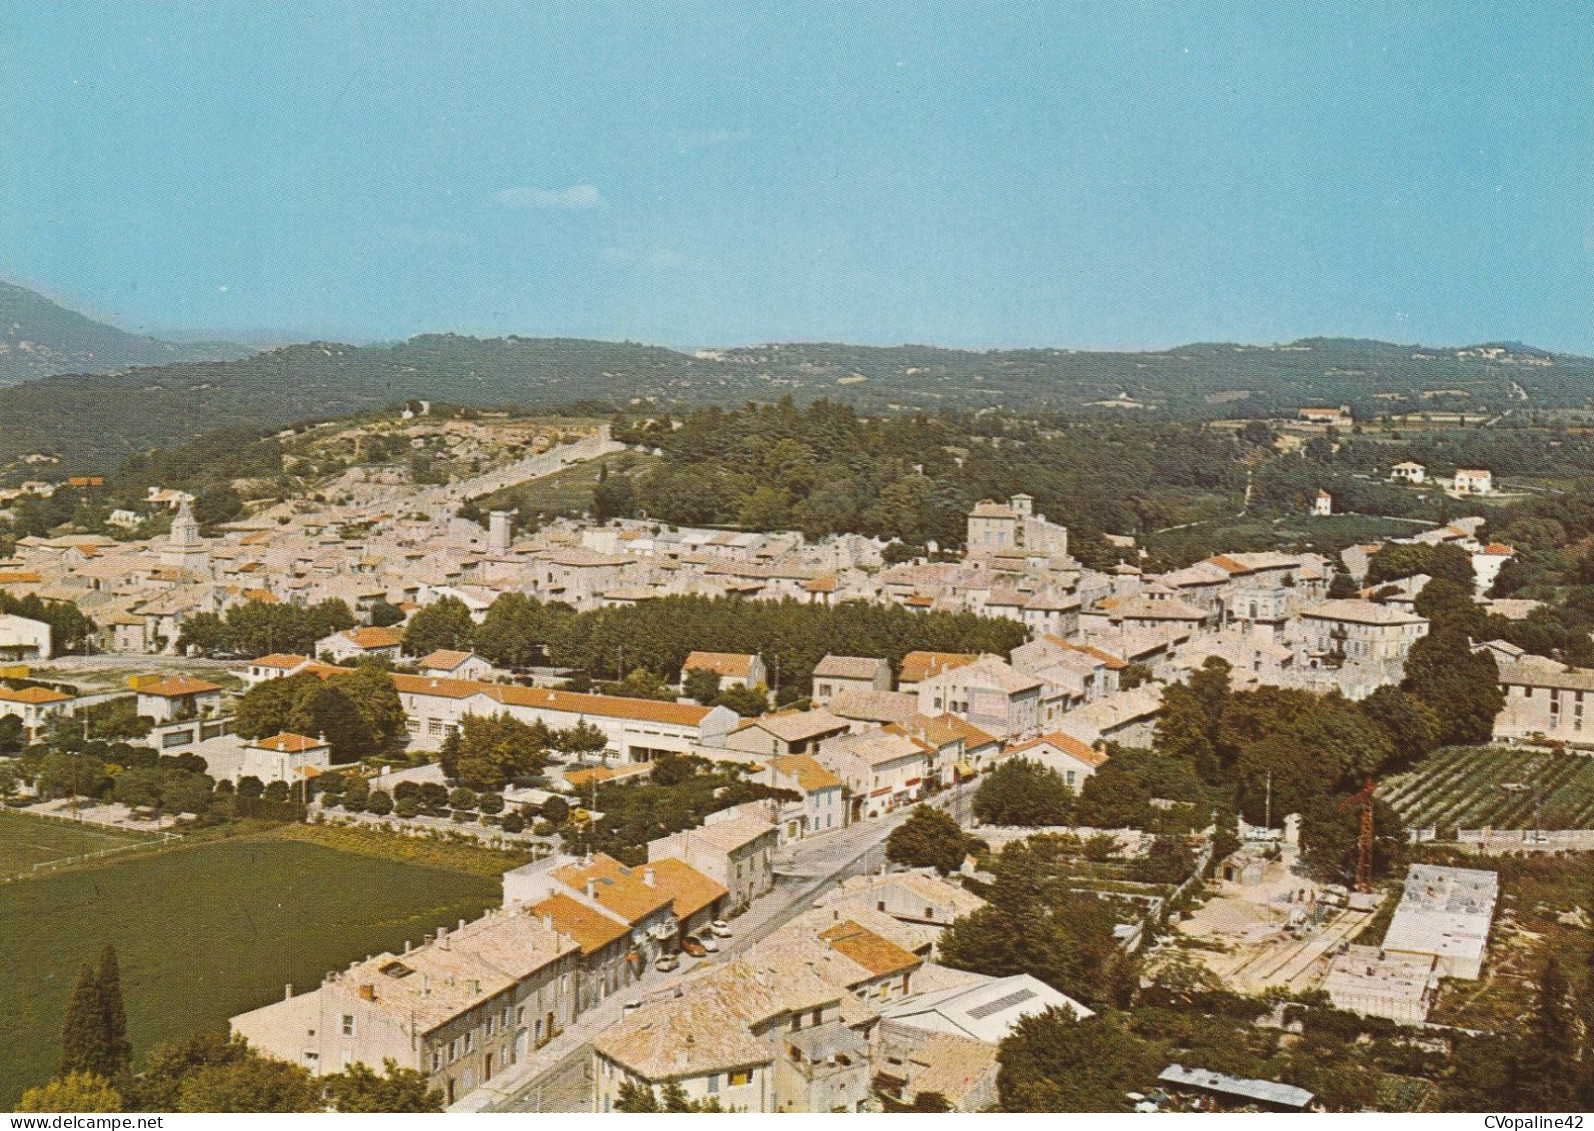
{"points": [[41, 338], [91, 422]]}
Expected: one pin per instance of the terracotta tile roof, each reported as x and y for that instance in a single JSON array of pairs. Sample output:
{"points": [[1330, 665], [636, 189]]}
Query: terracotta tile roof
{"points": [[807, 772], [34, 695], [608, 706], [444, 659], [615, 887], [178, 686], [799, 726], [877, 955], [19, 577], [1068, 744], [848, 667], [733, 664], [372, 637], [285, 661], [940, 729], [591, 930], [690, 891], [919, 666], [286, 743], [602, 774]]}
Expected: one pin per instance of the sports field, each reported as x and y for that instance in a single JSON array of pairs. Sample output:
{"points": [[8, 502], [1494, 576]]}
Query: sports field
{"points": [[205, 932], [27, 840]]}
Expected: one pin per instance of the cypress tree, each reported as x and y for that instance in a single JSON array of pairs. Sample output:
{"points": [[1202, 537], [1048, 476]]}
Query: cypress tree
{"points": [[119, 1048], [84, 1047]]}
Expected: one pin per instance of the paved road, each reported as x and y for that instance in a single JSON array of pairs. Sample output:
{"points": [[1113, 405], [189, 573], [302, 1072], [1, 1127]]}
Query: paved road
{"points": [[556, 1077]]}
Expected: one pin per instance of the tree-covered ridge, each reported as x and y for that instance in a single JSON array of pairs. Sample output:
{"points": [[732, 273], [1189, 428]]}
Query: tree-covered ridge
{"points": [[94, 421], [824, 469], [40, 338]]}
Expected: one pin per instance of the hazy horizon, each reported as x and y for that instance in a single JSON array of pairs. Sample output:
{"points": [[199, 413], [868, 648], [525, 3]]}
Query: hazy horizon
{"points": [[1090, 176]]}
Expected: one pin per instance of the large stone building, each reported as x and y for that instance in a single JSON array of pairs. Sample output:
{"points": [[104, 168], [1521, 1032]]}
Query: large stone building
{"points": [[461, 1008], [994, 528]]}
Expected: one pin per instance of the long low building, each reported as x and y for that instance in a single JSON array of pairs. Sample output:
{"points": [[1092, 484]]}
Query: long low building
{"points": [[1446, 913], [637, 729]]}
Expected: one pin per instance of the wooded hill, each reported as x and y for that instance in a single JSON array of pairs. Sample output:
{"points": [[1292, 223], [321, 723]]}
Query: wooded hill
{"points": [[40, 338], [93, 422]]}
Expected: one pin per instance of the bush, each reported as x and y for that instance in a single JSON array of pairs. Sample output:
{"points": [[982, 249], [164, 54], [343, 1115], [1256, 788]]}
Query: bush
{"points": [[379, 803], [407, 807], [514, 823]]}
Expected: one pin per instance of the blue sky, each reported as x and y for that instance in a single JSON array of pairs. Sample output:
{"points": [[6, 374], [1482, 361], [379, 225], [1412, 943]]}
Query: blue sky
{"points": [[1091, 175]]}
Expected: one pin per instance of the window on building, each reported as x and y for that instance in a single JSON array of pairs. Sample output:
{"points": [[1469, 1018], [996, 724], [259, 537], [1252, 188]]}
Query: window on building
{"points": [[740, 1078], [348, 1024]]}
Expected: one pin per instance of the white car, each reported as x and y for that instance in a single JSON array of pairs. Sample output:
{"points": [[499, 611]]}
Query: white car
{"points": [[706, 941], [720, 929]]}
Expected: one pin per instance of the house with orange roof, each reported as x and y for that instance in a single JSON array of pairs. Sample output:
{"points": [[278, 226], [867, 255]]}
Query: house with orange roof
{"points": [[35, 706], [1074, 759], [452, 664], [735, 669], [177, 697], [610, 895], [821, 806], [1487, 564], [884, 769], [733, 848], [919, 666], [285, 757], [275, 666], [360, 643]]}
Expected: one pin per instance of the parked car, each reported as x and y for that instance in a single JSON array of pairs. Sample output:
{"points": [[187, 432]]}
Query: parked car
{"points": [[694, 948], [706, 941], [720, 929], [667, 963]]}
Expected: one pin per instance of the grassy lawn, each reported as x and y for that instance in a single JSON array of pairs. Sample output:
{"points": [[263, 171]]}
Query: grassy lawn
{"points": [[26, 840], [568, 490], [205, 932]]}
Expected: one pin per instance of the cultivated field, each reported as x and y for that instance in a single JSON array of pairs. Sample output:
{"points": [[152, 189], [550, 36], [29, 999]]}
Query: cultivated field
{"points": [[27, 840], [566, 491], [204, 932], [1469, 787]]}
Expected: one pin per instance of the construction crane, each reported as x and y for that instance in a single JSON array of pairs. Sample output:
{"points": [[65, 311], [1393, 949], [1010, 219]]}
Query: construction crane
{"points": [[1364, 844]]}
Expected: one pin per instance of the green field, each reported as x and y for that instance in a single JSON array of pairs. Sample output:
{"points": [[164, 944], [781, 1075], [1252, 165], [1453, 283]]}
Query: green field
{"points": [[1250, 534], [26, 840], [567, 491], [1473, 786], [205, 932]]}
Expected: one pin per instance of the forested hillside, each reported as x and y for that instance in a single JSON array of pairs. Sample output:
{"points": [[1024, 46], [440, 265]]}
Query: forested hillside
{"points": [[92, 422], [39, 338]]}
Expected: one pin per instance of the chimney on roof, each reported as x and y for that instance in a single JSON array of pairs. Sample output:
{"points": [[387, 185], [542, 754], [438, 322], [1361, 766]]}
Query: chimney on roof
{"points": [[462, 924], [592, 888], [648, 876], [287, 994]]}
